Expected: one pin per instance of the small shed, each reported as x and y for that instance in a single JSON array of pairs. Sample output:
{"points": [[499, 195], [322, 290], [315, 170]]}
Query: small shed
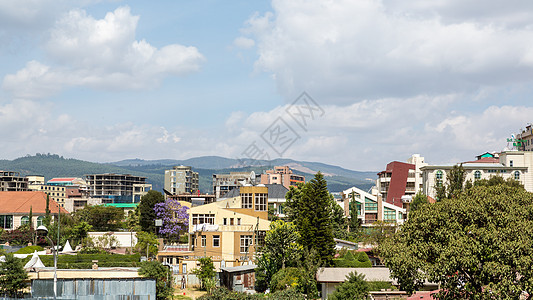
{"points": [[240, 278]]}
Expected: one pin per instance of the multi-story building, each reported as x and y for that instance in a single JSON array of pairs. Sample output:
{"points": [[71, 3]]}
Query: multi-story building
{"points": [[371, 208], [223, 183], [282, 175], [517, 165], [524, 139], [15, 209], [230, 231], [56, 188], [276, 198], [181, 180], [401, 181], [12, 181], [35, 182], [117, 188]]}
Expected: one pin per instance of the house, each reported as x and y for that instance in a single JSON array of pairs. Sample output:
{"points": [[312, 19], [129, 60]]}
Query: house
{"points": [[15, 208], [240, 278], [372, 208]]}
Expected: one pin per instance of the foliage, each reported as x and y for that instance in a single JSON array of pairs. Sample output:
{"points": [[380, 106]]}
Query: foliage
{"points": [[339, 223], [133, 219], [380, 285], [285, 278], [100, 217], [354, 288], [222, 293], [12, 276], [292, 204], [281, 243], [455, 179], [307, 283], [313, 218], [419, 200], [266, 268], [106, 241], [379, 233], [146, 240], [29, 250], [360, 260], [79, 231], [287, 294], [474, 246], [205, 272], [19, 236], [354, 225], [162, 275], [146, 210], [84, 261], [175, 218], [498, 180]]}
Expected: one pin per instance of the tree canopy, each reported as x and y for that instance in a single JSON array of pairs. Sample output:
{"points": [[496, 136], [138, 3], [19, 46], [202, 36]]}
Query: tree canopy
{"points": [[475, 245], [146, 210], [12, 276], [100, 217], [354, 288]]}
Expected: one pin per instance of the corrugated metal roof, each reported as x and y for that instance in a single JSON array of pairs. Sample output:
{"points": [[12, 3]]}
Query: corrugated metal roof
{"points": [[239, 268], [339, 274]]}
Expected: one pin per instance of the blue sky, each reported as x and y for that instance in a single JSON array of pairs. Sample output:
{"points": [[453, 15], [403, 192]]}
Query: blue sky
{"points": [[109, 80]]}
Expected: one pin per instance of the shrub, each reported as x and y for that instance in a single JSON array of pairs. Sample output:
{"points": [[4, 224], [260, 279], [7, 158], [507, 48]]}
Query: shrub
{"points": [[29, 250], [285, 278], [379, 285]]}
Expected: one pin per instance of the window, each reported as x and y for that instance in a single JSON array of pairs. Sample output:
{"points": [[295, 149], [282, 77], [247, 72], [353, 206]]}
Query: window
{"points": [[225, 221], [184, 268], [231, 221], [477, 175], [216, 240], [204, 240], [238, 221], [24, 220], [260, 202], [510, 163], [389, 215], [246, 241], [6, 222], [370, 205], [517, 175], [260, 238], [246, 200], [203, 219], [439, 175], [40, 221]]}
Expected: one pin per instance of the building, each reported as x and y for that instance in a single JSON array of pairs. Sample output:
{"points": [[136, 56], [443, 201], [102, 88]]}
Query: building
{"points": [[240, 278], [181, 180], [401, 181], [517, 165], [57, 188], [12, 182], [117, 188], [524, 139], [282, 175], [276, 198], [194, 199], [15, 208], [35, 182], [229, 231], [371, 208], [223, 183]]}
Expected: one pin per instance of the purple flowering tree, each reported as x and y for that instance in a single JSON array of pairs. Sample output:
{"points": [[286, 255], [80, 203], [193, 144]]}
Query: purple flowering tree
{"points": [[175, 218]]}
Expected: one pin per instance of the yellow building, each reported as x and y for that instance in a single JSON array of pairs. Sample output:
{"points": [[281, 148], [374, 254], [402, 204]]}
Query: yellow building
{"points": [[229, 231]]}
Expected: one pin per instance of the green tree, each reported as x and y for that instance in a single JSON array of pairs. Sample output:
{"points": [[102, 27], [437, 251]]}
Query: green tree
{"points": [[79, 231], [456, 180], [354, 224], [285, 278], [314, 219], [206, 272], [266, 268], [161, 274], [12, 276], [146, 210], [101, 217], [339, 223], [355, 287], [474, 246], [498, 180], [292, 204], [281, 243], [146, 241], [419, 200]]}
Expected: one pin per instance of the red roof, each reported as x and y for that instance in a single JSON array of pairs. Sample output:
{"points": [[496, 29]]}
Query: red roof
{"points": [[484, 160], [62, 179], [21, 202]]}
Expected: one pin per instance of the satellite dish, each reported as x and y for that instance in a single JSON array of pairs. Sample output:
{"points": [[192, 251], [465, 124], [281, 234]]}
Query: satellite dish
{"points": [[252, 177]]}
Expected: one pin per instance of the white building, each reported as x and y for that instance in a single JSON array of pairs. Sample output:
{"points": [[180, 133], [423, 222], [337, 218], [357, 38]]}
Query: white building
{"points": [[371, 208]]}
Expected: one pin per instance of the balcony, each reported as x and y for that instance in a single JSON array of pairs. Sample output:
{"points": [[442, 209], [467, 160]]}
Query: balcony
{"points": [[236, 227]]}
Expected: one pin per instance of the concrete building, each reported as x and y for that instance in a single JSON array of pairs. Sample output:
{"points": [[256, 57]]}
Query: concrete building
{"points": [[524, 139], [15, 209], [181, 180], [282, 175], [35, 182], [12, 182], [57, 188], [401, 181], [223, 183], [117, 188], [371, 208], [276, 198], [517, 165]]}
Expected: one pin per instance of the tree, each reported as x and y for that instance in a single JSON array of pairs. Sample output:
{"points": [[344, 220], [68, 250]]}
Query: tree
{"points": [[475, 246], [146, 210], [354, 288], [498, 180], [339, 224], [419, 200], [206, 272], [456, 180], [146, 241], [12, 276], [101, 217], [161, 274], [292, 203], [354, 225], [313, 219], [175, 217], [79, 232], [281, 244]]}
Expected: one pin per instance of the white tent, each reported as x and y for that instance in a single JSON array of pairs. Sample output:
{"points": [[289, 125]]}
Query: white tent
{"points": [[34, 262], [67, 248]]}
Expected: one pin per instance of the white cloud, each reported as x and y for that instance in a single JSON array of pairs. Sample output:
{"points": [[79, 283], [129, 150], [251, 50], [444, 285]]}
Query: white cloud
{"points": [[353, 50], [244, 43], [102, 54]]}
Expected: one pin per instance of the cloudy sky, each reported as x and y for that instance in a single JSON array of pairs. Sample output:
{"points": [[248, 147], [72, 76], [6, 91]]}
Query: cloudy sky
{"points": [[109, 80]]}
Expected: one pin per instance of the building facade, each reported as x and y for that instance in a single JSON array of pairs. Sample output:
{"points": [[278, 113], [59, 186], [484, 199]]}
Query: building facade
{"points": [[526, 139], [12, 182], [371, 208], [223, 183], [181, 180], [117, 188], [282, 175], [15, 209]]}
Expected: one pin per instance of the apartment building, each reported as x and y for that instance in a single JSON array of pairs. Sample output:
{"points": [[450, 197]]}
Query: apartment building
{"points": [[181, 180], [117, 188], [371, 208], [524, 139], [282, 175], [229, 231], [35, 182], [276, 198], [400, 181], [517, 165], [223, 183], [12, 181], [15, 208]]}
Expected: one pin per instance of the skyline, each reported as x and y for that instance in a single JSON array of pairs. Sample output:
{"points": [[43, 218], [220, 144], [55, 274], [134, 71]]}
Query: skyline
{"points": [[105, 81]]}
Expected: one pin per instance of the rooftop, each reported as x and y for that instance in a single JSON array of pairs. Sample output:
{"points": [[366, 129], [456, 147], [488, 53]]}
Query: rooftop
{"points": [[22, 202]]}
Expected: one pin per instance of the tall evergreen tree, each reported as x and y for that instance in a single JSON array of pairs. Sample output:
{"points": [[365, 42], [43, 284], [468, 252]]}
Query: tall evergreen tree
{"points": [[314, 219], [146, 210], [12, 276]]}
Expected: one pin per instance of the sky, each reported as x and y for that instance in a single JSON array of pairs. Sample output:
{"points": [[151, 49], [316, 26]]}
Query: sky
{"points": [[351, 83]]}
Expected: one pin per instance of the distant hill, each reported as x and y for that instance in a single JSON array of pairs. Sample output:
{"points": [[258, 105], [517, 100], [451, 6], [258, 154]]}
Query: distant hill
{"points": [[51, 165]]}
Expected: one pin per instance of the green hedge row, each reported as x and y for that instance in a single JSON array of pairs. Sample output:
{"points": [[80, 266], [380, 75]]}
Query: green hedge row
{"points": [[84, 261]]}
